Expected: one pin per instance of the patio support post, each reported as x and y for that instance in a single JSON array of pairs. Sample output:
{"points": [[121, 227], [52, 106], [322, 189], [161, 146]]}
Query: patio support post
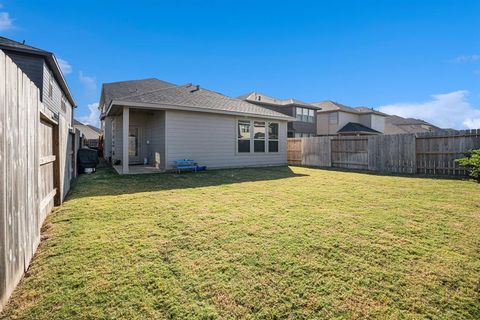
{"points": [[125, 131]]}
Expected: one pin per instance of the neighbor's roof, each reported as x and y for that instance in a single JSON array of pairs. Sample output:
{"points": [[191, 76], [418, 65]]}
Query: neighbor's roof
{"points": [[354, 127], [396, 124], [260, 98], [89, 131], [11, 45], [156, 92], [329, 106]]}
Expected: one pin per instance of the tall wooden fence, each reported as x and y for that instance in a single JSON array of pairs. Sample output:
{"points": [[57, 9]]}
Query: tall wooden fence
{"points": [[426, 153], [34, 170]]}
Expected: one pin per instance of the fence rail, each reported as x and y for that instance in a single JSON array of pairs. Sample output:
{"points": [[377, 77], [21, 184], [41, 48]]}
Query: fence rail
{"points": [[426, 153]]}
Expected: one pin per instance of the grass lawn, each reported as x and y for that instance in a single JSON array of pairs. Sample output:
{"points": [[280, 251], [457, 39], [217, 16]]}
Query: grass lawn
{"points": [[268, 243]]}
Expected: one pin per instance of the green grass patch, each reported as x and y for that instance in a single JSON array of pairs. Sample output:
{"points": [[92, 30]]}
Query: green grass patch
{"points": [[265, 243]]}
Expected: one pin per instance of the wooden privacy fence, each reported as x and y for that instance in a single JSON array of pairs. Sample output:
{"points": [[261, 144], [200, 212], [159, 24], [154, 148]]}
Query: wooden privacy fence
{"points": [[426, 153], [34, 174]]}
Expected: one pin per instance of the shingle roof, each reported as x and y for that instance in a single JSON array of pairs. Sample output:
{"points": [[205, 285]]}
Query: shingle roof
{"points": [[89, 131], [121, 89], [328, 106], [260, 98], [396, 124], [8, 44], [12, 44], [154, 91], [354, 127]]}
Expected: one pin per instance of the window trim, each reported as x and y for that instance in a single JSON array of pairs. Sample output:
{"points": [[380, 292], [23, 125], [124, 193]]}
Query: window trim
{"points": [[252, 137], [237, 138], [336, 118], [264, 136], [63, 104], [267, 143]]}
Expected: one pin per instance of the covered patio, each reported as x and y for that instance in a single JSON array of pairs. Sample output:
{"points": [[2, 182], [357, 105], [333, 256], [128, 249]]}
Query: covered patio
{"points": [[138, 140]]}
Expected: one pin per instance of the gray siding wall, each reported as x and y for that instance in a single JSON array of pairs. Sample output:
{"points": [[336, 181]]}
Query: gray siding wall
{"points": [[54, 102], [303, 127], [211, 140], [152, 126], [30, 65], [155, 134], [323, 125], [38, 71], [116, 144], [107, 129]]}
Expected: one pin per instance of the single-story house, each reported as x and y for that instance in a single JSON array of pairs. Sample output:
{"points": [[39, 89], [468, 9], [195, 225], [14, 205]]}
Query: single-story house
{"points": [[151, 123]]}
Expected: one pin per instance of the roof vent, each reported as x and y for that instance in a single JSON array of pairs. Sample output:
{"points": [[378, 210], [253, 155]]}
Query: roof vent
{"points": [[195, 88]]}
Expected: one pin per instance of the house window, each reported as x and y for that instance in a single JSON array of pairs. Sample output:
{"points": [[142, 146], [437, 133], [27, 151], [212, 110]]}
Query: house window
{"points": [[258, 136], [299, 113], [311, 116], [50, 87], [333, 118], [243, 136], [272, 137], [305, 115], [63, 104], [263, 136]]}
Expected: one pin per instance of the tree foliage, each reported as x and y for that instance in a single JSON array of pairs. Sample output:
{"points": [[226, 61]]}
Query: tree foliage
{"points": [[472, 162]]}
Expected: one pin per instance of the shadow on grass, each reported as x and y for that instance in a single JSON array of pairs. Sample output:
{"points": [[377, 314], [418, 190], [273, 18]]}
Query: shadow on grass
{"points": [[107, 182], [392, 174]]}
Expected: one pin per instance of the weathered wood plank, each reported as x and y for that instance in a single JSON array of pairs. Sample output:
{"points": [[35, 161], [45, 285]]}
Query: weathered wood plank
{"points": [[3, 200], [47, 159], [402, 153]]}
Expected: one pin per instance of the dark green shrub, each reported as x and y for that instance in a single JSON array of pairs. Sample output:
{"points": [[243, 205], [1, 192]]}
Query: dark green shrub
{"points": [[472, 162]]}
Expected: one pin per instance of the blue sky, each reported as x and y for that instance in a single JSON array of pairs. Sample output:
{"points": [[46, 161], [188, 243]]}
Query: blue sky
{"points": [[412, 58]]}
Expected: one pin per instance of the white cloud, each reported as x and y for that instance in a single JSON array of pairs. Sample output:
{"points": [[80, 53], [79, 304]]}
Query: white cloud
{"points": [[90, 83], [449, 110], [65, 66], [6, 23], [467, 58], [93, 118]]}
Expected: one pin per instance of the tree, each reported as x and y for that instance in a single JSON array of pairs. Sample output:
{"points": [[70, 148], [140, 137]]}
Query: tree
{"points": [[472, 162]]}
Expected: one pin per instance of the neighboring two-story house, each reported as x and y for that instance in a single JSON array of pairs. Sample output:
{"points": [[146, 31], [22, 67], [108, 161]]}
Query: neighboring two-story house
{"points": [[305, 124], [42, 68], [337, 119]]}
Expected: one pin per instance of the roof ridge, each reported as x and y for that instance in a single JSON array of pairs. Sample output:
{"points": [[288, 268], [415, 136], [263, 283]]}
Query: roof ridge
{"points": [[136, 80]]}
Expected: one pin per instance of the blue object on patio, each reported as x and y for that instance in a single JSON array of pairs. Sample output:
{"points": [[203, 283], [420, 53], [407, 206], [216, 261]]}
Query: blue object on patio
{"points": [[185, 164], [201, 168]]}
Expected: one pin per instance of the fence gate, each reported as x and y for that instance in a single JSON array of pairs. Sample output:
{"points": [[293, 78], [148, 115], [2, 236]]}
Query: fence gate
{"points": [[47, 184], [294, 151], [350, 153]]}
